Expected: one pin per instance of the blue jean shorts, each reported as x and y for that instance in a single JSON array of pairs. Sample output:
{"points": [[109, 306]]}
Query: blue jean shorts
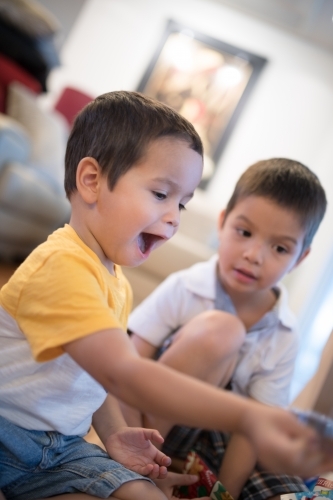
{"points": [[38, 464]]}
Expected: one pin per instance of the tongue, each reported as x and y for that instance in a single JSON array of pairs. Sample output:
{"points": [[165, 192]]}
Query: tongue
{"points": [[143, 243]]}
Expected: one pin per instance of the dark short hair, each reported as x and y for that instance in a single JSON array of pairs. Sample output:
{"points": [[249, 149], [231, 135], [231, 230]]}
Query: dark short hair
{"points": [[116, 128], [288, 183]]}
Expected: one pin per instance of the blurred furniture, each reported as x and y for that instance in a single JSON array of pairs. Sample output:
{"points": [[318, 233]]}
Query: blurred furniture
{"points": [[10, 72], [32, 139], [32, 197], [27, 31], [70, 102]]}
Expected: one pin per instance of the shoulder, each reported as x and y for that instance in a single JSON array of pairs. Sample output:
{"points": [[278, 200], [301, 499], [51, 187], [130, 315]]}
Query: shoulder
{"points": [[62, 265], [286, 316], [175, 301], [200, 279]]}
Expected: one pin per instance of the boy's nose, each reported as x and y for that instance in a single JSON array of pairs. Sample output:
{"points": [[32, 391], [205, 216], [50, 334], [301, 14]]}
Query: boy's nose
{"points": [[173, 217], [174, 221], [254, 252]]}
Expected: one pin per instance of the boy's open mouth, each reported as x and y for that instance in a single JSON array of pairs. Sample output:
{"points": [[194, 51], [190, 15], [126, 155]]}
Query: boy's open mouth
{"points": [[147, 241]]}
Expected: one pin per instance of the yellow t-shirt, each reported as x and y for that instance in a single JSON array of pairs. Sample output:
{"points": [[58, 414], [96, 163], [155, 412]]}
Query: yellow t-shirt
{"points": [[62, 292]]}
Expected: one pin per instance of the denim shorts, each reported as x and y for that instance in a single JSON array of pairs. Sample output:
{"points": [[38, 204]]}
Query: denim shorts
{"points": [[38, 464]]}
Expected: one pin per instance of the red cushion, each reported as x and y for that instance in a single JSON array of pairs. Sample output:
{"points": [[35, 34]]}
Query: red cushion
{"points": [[10, 71], [70, 102]]}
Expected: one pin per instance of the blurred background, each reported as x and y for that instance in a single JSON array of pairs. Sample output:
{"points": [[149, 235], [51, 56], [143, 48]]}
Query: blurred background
{"points": [[96, 46]]}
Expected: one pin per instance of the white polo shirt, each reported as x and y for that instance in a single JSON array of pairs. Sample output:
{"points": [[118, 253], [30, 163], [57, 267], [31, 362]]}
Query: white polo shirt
{"points": [[266, 360]]}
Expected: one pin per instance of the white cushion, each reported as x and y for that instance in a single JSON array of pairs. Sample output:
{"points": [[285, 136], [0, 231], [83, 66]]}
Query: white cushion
{"points": [[47, 129], [25, 191]]}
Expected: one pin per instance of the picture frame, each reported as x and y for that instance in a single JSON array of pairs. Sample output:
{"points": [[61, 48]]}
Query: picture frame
{"points": [[206, 80]]}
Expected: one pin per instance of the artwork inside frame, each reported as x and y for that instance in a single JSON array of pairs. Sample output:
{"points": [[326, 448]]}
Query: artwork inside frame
{"points": [[204, 79]]}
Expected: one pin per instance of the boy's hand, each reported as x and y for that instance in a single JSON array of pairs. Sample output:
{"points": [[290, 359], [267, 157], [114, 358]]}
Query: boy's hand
{"points": [[173, 479], [132, 447], [284, 445]]}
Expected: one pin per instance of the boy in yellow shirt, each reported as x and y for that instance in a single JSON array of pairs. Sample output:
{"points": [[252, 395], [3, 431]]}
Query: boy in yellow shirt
{"points": [[131, 166]]}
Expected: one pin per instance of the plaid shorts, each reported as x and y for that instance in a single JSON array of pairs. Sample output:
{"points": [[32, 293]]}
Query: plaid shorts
{"points": [[211, 445]]}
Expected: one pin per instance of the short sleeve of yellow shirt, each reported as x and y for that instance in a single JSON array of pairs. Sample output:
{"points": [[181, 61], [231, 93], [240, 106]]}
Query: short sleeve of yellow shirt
{"points": [[63, 292]]}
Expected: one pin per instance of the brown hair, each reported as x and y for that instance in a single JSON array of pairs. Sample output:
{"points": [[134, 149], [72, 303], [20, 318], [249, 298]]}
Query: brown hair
{"points": [[116, 129], [288, 183]]}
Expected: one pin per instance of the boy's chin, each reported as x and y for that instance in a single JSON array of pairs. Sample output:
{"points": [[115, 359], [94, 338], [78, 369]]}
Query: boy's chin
{"points": [[134, 262]]}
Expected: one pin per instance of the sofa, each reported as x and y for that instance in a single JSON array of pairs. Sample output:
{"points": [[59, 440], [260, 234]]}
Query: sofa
{"points": [[32, 149]]}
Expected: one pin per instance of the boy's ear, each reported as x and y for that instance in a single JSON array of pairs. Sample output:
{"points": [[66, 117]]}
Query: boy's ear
{"points": [[88, 177], [221, 219], [302, 257]]}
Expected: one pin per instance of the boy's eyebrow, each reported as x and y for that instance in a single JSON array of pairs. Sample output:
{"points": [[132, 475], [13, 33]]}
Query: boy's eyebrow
{"points": [[283, 236]]}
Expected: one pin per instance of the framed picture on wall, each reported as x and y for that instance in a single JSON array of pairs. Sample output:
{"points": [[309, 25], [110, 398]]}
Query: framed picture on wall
{"points": [[206, 80]]}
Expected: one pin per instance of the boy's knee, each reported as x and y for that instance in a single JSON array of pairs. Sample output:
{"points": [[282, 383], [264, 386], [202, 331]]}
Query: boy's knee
{"points": [[222, 333]]}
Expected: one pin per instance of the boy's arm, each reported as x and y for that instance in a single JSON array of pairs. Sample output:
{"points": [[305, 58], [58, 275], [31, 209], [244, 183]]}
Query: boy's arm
{"points": [[132, 415], [282, 443], [108, 418], [144, 348]]}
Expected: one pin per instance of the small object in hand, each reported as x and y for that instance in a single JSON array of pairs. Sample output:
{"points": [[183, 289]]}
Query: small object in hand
{"points": [[219, 492], [207, 484], [320, 422]]}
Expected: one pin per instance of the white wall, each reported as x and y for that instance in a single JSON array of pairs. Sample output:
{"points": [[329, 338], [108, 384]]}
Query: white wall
{"points": [[289, 113]]}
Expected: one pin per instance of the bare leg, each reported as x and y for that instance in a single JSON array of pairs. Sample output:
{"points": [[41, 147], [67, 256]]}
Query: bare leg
{"points": [[71, 496], [140, 490], [238, 463], [93, 438], [205, 348]]}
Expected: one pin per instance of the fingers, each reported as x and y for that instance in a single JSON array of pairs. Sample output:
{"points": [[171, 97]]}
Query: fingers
{"points": [[327, 444], [175, 479], [307, 454], [297, 448], [324, 466], [163, 473], [162, 459], [153, 435], [157, 473], [295, 457]]}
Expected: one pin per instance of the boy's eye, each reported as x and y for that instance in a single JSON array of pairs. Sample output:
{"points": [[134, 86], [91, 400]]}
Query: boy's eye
{"points": [[159, 196], [244, 232], [281, 249]]}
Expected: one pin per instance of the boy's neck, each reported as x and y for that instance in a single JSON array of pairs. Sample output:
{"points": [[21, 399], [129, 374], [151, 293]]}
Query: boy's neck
{"points": [[252, 307]]}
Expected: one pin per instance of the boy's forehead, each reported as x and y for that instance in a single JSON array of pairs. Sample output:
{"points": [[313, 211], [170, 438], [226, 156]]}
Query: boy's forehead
{"points": [[263, 206], [168, 139]]}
